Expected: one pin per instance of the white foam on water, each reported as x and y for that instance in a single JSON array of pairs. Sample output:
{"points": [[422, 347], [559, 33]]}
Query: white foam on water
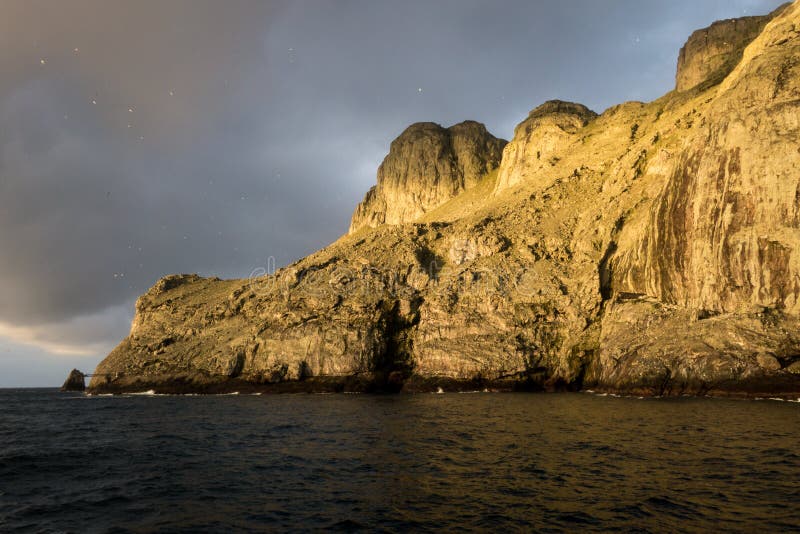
{"points": [[619, 396]]}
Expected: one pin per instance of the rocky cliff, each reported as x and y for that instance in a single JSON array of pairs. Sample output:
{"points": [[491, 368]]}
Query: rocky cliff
{"points": [[651, 249], [711, 53], [427, 165]]}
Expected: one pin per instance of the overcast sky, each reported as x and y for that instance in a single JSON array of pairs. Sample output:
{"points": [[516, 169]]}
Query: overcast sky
{"points": [[143, 138]]}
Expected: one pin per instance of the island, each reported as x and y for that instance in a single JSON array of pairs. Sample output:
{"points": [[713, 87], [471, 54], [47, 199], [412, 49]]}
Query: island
{"points": [[651, 249]]}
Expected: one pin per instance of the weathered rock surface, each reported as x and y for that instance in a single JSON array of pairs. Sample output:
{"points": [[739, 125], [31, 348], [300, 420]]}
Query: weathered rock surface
{"points": [[652, 249], [711, 53], [427, 165], [76, 381], [539, 139]]}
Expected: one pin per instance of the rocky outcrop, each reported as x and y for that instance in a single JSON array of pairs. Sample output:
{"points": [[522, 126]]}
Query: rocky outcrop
{"points": [[76, 381], [652, 249], [539, 140], [427, 165], [711, 53]]}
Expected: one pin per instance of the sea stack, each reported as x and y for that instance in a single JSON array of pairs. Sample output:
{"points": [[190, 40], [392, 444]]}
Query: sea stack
{"points": [[76, 381]]}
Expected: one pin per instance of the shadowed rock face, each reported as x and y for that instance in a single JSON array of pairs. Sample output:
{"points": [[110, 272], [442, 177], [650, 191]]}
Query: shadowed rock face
{"points": [[76, 381], [711, 53], [652, 249], [426, 166]]}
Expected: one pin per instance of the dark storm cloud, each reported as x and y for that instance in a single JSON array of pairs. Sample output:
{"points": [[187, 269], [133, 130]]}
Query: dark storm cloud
{"points": [[143, 138]]}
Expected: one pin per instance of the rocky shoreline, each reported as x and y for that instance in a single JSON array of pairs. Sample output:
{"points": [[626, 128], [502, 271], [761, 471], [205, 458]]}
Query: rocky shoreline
{"points": [[785, 388]]}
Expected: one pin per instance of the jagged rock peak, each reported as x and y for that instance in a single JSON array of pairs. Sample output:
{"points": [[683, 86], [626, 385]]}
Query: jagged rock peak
{"points": [[427, 165], [711, 53]]}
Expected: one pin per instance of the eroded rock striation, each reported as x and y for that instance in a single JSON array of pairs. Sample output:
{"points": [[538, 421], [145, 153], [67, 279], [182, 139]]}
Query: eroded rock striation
{"points": [[651, 249]]}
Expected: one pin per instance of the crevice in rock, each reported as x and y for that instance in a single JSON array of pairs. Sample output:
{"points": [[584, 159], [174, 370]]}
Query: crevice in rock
{"points": [[605, 272], [304, 371], [664, 387], [394, 364], [237, 366], [429, 261]]}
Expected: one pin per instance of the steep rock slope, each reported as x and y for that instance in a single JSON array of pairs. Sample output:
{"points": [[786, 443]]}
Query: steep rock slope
{"points": [[651, 249], [426, 166], [711, 53]]}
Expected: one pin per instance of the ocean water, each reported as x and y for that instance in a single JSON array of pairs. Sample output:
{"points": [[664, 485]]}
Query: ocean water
{"points": [[551, 462]]}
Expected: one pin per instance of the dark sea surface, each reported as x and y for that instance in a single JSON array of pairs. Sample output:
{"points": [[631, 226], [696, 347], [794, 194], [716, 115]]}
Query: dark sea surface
{"points": [[552, 462]]}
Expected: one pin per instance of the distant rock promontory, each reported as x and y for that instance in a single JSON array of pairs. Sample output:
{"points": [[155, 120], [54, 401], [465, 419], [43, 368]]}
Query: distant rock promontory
{"points": [[76, 381]]}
